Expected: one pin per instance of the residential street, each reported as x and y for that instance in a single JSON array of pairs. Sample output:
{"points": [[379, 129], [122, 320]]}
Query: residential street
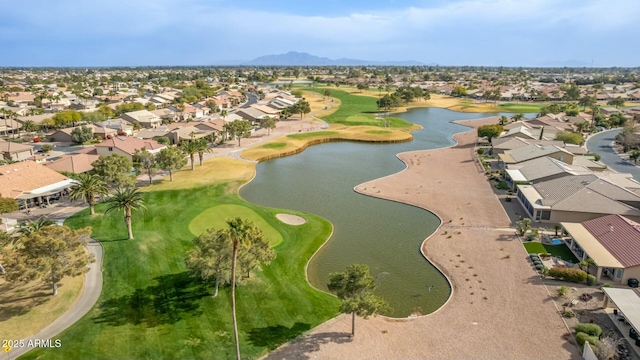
{"points": [[601, 143]]}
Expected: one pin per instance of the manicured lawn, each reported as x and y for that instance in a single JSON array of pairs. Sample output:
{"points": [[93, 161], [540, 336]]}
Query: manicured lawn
{"points": [[274, 145], [521, 108], [150, 306], [312, 134], [216, 216], [357, 110], [561, 251]]}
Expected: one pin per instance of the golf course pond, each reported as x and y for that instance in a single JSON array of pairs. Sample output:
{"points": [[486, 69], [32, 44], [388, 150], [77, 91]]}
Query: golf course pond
{"points": [[386, 235]]}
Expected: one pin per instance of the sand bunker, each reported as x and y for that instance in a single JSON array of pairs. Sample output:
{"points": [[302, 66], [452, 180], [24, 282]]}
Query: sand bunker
{"points": [[290, 219]]}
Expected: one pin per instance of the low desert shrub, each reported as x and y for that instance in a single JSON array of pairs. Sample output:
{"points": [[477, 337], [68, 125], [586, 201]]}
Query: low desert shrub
{"points": [[581, 338], [562, 290], [591, 329], [481, 151], [591, 279], [503, 185], [568, 274]]}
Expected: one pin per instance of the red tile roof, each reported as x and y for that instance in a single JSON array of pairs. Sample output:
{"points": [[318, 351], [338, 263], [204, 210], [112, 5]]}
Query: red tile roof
{"points": [[619, 235]]}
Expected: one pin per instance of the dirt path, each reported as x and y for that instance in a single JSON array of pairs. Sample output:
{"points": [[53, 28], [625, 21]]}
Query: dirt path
{"points": [[499, 308]]}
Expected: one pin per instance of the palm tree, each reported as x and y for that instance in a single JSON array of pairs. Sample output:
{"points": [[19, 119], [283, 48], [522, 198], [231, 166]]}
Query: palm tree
{"points": [[239, 230], [33, 226], [191, 148], [87, 187], [29, 125], [518, 116], [203, 147], [223, 113], [127, 199]]}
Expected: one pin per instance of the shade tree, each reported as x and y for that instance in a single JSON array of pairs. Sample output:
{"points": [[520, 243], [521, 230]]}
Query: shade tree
{"points": [[171, 159], [354, 287], [115, 170], [143, 160], [51, 253], [238, 129]]}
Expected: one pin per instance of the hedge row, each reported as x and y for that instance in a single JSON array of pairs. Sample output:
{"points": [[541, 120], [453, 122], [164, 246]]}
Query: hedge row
{"points": [[568, 274]]}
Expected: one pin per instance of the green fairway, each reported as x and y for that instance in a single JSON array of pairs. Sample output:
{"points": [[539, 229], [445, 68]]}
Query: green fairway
{"points": [[521, 108], [274, 145], [150, 306], [312, 134], [358, 110], [561, 251]]}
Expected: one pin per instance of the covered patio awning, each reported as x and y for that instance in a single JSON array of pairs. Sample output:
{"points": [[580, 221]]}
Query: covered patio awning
{"points": [[516, 175], [591, 246], [47, 190], [628, 302]]}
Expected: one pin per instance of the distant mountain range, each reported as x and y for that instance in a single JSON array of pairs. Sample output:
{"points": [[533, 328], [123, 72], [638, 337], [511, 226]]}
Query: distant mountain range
{"points": [[293, 58]]}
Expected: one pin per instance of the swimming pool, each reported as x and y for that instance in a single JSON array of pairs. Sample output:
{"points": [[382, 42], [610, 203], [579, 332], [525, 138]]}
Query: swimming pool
{"points": [[556, 241]]}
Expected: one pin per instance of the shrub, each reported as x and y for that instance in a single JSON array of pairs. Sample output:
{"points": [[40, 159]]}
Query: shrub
{"points": [[502, 185], [46, 148], [163, 140], [591, 279], [539, 266], [562, 290], [481, 151], [591, 329], [568, 274], [568, 313], [581, 338]]}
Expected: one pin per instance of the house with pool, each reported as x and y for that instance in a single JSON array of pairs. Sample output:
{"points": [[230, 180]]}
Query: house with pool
{"points": [[612, 242], [576, 198]]}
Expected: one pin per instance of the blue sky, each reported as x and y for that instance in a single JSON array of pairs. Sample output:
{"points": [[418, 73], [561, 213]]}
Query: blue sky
{"points": [[204, 32]]}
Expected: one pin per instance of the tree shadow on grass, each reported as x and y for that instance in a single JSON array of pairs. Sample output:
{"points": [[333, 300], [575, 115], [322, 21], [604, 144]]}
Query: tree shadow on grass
{"points": [[20, 303], [273, 336], [302, 347], [174, 297]]}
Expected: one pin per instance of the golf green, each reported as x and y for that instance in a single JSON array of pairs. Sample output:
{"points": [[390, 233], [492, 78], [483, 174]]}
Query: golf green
{"points": [[216, 217]]}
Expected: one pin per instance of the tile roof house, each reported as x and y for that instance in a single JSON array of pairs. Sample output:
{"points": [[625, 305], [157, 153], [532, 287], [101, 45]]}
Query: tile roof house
{"points": [[64, 135], [120, 125], [145, 118], [576, 198], [75, 163], [127, 146], [251, 114], [534, 151], [540, 169], [15, 151], [27, 180], [502, 144], [612, 242]]}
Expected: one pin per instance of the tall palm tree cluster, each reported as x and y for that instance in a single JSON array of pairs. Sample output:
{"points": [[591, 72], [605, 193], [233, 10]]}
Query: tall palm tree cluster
{"points": [[195, 146], [90, 187]]}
